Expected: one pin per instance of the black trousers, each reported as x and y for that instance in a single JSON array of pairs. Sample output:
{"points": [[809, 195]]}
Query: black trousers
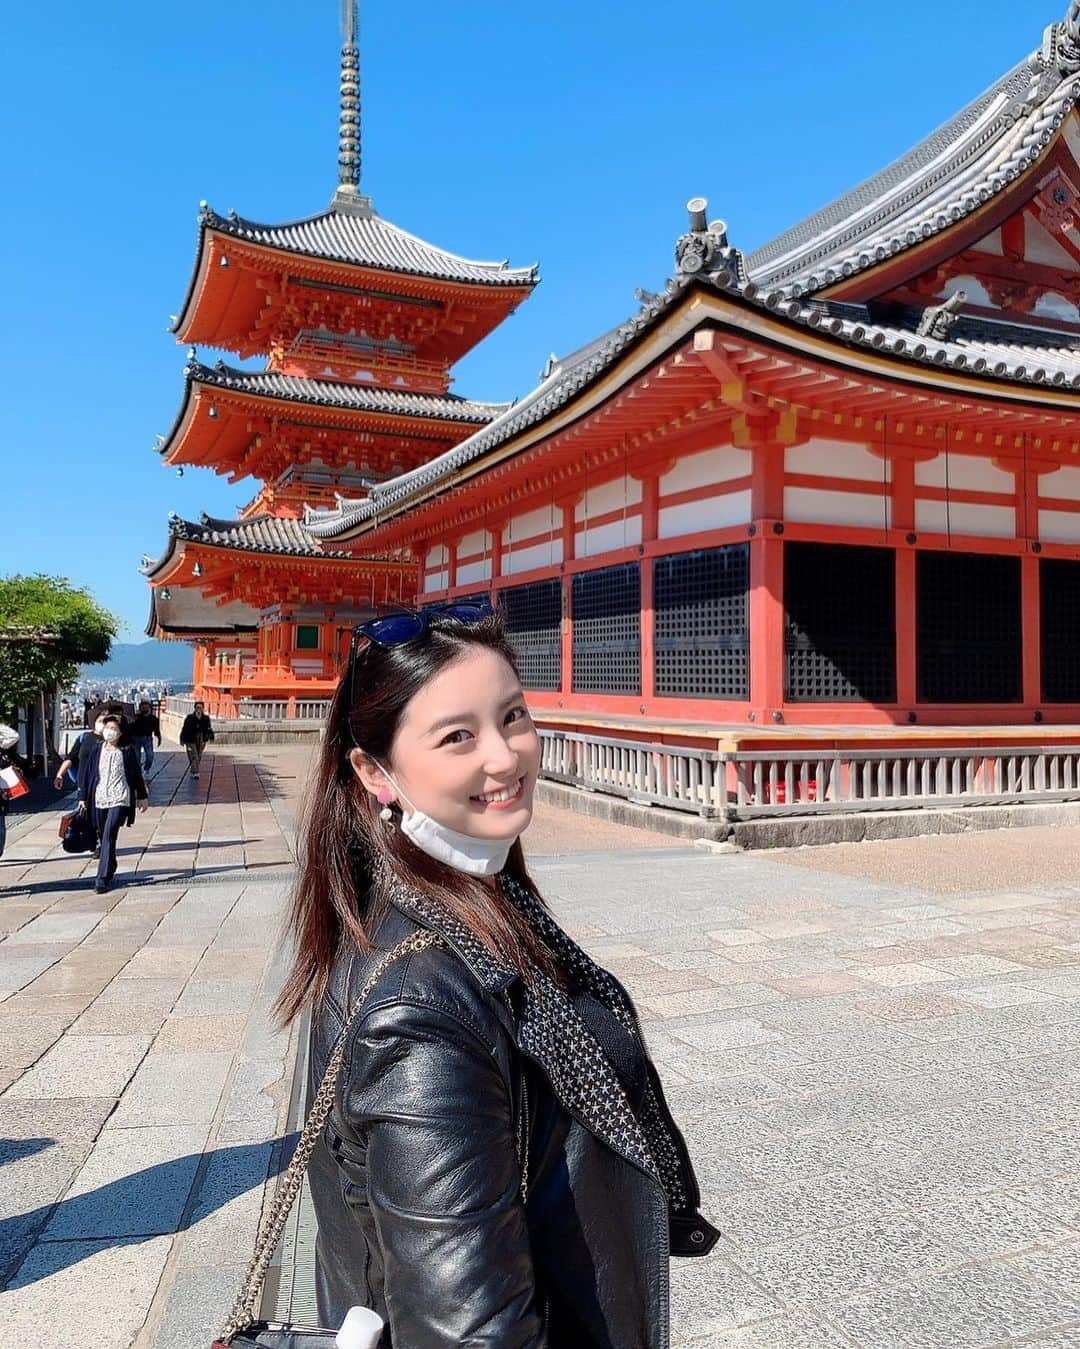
{"points": [[108, 826]]}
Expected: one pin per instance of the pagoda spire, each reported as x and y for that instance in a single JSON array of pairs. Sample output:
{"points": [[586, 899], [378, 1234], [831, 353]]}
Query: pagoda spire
{"points": [[349, 129]]}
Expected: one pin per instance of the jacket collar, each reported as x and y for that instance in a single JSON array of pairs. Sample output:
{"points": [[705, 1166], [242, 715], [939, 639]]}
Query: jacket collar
{"points": [[550, 1032]]}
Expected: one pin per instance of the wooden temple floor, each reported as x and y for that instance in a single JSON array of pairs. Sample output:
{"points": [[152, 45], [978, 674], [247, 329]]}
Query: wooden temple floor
{"points": [[729, 737]]}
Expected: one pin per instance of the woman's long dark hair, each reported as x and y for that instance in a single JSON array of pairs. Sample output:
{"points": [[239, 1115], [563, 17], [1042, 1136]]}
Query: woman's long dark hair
{"points": [[349, 856]]}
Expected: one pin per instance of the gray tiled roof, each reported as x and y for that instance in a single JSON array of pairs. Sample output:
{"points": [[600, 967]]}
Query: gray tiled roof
{"points": [[258, 534], [1031, 358], [953, 172], [334, 393], [351, 231]]}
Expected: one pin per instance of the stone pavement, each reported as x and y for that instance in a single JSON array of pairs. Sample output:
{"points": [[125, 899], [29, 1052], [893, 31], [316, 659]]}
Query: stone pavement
{"points": [[872, 1051]]}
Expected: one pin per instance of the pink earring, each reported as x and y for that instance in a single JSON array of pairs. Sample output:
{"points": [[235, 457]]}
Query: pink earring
{"points": [[385, 796]]}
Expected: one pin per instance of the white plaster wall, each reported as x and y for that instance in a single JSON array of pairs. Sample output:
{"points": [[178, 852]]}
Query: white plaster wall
{"points": [[1053, 306], [706, 468], [974, 289], [438, 556], [967, 471], [836, 459], [1063, 483], [528, 525], [991, 243], [1041, 246], [301, 666], [993, 522], [809, 505], [479, 542], [1059, 526], [710, 513], [474, 571], [610, 496], [603, 538], [539, 555], [435, 580]]}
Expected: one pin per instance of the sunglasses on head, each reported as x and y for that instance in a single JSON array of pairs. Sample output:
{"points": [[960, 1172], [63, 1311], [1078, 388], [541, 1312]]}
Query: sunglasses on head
{"points": [[406, 625]]}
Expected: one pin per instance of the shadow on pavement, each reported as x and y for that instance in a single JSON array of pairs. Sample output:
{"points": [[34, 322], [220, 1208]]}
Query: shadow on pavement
{"points": [[110, 1215]]}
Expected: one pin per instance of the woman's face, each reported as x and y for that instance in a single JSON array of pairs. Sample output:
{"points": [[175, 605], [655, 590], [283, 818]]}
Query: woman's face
{"points": [[466, 751]]}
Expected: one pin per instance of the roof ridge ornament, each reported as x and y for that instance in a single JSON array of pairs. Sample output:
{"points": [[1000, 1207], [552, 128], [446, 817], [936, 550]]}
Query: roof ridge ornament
{"points": [[705, 248], [938, 320]]}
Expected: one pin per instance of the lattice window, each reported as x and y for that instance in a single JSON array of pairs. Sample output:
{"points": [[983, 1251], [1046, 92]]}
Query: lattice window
{"points": [[702, 636], [607, 630], [839, 626], [968, 624], [1059, 585], [533, 618]]}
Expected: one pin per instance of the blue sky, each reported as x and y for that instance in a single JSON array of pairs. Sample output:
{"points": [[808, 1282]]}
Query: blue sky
{"points": [[571, 134]]}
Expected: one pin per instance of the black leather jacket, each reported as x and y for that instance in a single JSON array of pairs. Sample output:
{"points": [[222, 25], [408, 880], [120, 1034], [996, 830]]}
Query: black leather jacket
{"points": [[417, 1182]]}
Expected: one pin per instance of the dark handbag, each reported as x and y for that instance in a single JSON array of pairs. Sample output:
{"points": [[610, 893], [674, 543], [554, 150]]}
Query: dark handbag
{"points": [[80, 834], [244, 1330]]}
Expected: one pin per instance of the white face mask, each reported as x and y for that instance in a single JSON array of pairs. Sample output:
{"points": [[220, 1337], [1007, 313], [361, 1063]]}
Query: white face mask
{"points": [[110, 733], [463, 852], [99, 726]]}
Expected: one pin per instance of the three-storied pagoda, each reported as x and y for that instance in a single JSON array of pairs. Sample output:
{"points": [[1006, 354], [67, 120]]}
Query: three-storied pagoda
{"points": [[361, 324]]}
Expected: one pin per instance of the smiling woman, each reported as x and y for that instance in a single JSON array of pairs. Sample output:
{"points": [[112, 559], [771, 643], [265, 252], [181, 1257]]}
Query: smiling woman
{"points": [[499, 1166]]}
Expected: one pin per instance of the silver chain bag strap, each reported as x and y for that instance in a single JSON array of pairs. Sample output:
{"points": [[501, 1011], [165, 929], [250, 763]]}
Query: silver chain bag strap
{"points": [[243, 1327]]}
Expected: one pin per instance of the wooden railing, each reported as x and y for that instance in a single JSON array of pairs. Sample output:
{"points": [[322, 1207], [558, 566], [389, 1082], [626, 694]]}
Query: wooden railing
{"points": [[751, 784]]}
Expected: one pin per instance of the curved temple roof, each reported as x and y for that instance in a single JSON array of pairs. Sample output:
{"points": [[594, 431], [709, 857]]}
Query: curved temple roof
{"points": [[339, 394], [953, 172], [350, 231]]}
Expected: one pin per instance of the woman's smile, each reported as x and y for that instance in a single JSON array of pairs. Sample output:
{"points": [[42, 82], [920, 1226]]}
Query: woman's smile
{"points": [[501, 799]]}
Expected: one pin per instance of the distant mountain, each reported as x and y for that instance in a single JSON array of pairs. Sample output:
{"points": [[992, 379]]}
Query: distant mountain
{"points": [[146, 660]]}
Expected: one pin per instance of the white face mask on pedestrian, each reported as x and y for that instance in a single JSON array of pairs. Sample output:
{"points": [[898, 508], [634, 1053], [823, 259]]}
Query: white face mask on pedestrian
{"points": [[99, 726], [110, 735], [463, 852]]}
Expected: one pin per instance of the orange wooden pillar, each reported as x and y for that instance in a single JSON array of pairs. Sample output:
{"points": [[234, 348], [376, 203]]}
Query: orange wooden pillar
{"points": [[568, 506], [903, 521], [767, 580], [1031, 629], [650, 515]]}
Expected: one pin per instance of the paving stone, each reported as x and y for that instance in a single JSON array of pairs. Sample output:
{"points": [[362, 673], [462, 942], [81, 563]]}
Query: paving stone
{"points": [[115, 1019], [783, 1332], [202, 997], [16, 971], [917, 1007], [23, 1039], [111, 1283], [713, 1294], [699, 1001], [103, 1062], [251, 1112], [163, 962], [835, 1264], [722, 1035], [55, 927], [196, 1305], [136, 1182], [1060, 1198], [184, 1034], [73, 1119], [161, 994], [993, 1224], [173, 1089], [968, 1308], [35, 1172], [227, 1205]]}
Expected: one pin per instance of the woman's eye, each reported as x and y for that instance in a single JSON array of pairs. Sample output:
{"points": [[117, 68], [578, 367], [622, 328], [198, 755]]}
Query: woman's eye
{"points": [[453, 738], [517, 714]]}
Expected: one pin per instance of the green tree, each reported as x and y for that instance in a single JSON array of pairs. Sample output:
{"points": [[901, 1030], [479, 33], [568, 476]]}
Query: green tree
{"points": [[48, 628]]}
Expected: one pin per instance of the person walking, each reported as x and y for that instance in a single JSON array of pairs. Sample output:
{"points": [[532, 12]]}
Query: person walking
{"points": [[145, 729], [111, 785], [195, 734], [9, 758], [69, 768], [499, 1166]]}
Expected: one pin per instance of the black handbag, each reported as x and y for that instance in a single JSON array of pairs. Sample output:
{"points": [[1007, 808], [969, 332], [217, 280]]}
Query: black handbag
{"points": [[80, 834], [244, 1330]]}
